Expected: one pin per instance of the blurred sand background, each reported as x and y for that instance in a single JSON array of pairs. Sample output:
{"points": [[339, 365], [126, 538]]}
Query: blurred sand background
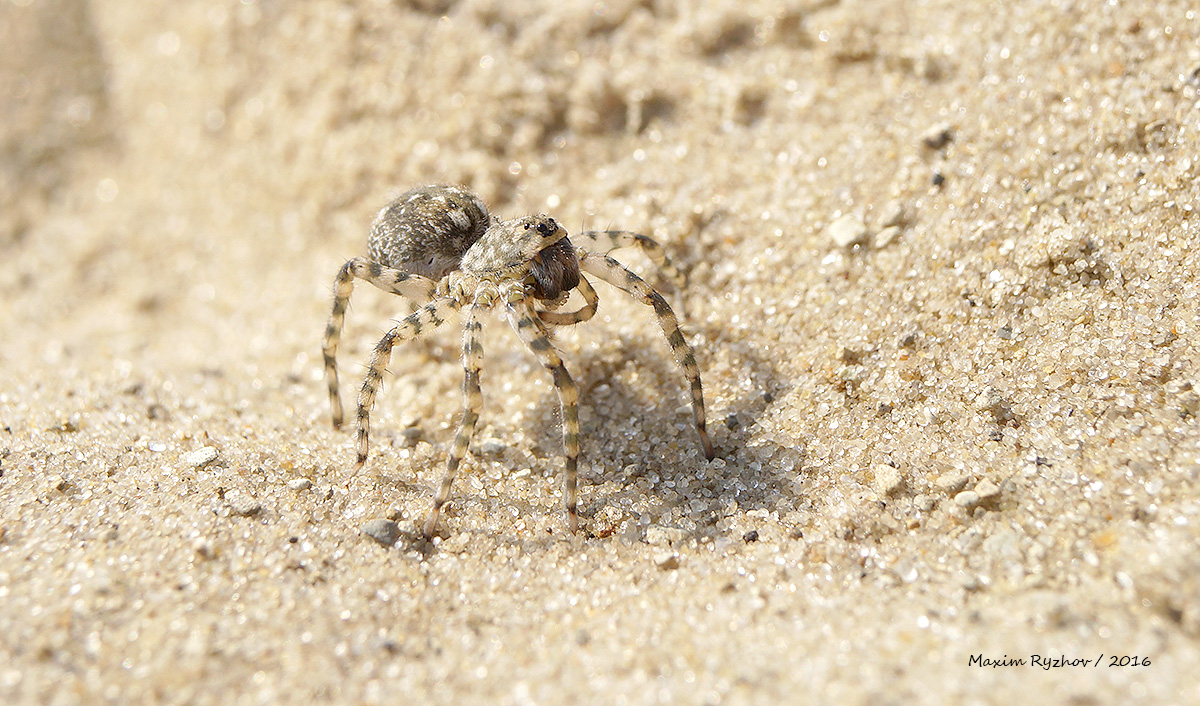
{"points": [[942, 264]]}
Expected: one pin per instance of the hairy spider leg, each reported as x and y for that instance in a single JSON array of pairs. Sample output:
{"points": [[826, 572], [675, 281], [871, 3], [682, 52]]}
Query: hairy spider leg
{"points": [[616, 274], [612, 239], [524, 321], [425, 319], [413, 287], [472, 356]]}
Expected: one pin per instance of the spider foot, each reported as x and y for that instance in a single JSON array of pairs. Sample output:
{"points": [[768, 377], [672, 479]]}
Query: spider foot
{"points": [[709, 452]]}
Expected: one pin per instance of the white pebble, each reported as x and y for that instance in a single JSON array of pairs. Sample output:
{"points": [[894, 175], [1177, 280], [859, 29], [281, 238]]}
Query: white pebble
{"points": [[200, 457], [887, 479], [662, 537], [243, 505], [667, 561], [952, 483], [892, 214], [987, 489], [847, 230], [884, 237], [967, 498]]}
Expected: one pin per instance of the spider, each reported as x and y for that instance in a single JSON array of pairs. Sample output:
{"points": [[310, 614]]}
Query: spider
{"points": [[440, 248]]}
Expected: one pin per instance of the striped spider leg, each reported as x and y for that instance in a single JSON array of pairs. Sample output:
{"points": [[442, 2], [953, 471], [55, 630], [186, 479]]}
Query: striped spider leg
{"points": [[616, 274], [438, 247], [423, 320], [410, 286]]}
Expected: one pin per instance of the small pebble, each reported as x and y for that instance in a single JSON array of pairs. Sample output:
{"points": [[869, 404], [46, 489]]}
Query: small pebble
{"points": [[663, 537], [1189, 403], [383, 531], [952, 483], [938, 136], [751, 536], [892, 214], [884, 237], [998, 406], [987, 489], [967, 498], [667, 561], [655, 536], [847, 230], [68, 427], [887, 479], [199, 457], [243, 505], [491, 447], [300, 484]]}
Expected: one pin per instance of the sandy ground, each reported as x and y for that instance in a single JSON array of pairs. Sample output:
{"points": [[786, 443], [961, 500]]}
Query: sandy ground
{"points": [[941, 262]]}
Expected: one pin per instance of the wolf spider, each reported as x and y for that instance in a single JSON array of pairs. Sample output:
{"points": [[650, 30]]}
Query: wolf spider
{"points": [[439, 247]]}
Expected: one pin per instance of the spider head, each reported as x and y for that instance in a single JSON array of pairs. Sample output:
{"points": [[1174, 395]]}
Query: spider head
{"points": [[510, 247], [537, 233]]}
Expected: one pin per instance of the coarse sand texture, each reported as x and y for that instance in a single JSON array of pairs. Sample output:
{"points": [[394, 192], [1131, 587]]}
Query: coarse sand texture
{"points": [[937, 263]]}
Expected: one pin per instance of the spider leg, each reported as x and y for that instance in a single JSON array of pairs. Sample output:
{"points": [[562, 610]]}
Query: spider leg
{"points": [[613, 239], [618, 276], [584, 313], [414, 287], [424, 319], [472, 355], [524, 320]]}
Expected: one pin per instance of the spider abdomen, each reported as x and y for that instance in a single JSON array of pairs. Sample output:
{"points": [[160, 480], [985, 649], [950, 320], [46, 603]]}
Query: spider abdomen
{"points": [[426, 230]]}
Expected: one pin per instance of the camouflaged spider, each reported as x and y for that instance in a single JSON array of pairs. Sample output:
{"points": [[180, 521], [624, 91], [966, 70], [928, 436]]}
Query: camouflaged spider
{"points": [[438, 246]]}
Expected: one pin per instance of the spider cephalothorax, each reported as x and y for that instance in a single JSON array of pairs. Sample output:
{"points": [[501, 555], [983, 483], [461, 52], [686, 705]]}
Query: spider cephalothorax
{"points": [[438, 246]]}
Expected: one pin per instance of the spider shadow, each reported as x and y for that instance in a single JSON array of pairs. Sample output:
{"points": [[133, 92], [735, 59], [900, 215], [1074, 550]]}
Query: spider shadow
{"points": [[650, 445], [648, 429]]}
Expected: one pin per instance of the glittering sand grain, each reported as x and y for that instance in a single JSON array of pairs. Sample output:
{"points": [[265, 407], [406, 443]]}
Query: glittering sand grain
{"points": [[967, 431]]}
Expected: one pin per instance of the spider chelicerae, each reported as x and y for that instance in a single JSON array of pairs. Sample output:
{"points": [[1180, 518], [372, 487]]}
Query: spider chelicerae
{"points": [[440, 248]]}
